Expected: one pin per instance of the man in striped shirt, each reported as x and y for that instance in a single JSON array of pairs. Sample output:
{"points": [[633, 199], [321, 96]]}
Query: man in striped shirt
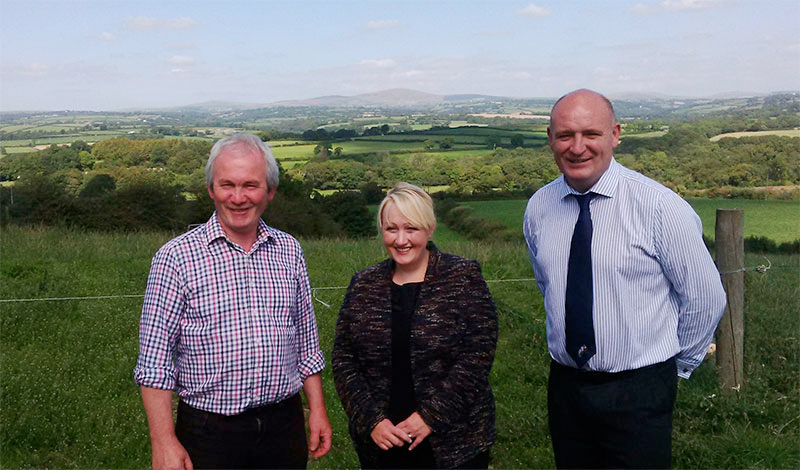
{"points": [[651, 293], [228, 323]]}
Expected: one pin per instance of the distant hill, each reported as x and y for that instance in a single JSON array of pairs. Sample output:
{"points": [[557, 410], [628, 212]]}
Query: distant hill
{"points": [[631, 105], [397, 97]]}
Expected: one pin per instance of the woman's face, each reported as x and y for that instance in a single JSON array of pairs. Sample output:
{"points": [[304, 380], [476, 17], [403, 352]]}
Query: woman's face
{"points": [[404, 241]]}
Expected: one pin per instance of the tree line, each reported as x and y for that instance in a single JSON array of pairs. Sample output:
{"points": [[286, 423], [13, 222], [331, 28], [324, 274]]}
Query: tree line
{"points": [[123, 183]]}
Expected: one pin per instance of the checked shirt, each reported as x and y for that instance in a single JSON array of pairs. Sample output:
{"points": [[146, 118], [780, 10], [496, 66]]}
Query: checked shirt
{"points": [[228, 329]]}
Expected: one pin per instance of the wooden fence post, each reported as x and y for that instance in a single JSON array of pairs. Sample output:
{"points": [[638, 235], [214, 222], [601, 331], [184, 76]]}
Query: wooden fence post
{"points": [[730, 332]]}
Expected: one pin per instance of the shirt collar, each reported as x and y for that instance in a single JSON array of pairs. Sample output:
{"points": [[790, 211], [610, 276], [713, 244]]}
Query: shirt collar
{"points": [[214, 231], [605, 186]]}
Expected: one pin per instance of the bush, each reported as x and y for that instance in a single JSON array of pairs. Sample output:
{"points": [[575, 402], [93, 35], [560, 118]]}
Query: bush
{"points": [[462, 220], [349, 209]]}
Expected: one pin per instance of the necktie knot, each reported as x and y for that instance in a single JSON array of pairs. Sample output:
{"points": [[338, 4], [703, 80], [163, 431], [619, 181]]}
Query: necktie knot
{"points": [[583, 200]]}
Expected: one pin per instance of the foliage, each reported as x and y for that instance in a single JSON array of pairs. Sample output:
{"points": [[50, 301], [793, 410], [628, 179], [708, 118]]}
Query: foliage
{"points": [[349, 209], [99, 185], [463, 220]]}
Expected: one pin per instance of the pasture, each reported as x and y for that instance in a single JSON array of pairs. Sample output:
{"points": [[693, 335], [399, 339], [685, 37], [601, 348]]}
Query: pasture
{"points": [[69, 400], [774, 219]]}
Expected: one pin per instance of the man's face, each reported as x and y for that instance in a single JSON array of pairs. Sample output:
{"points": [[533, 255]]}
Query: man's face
{"points": [[583, 136], [240, 193]]}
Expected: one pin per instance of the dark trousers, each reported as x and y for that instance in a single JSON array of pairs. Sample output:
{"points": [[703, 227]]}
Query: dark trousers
{"points": [[271, 436], [421, 458], [612, 420]]}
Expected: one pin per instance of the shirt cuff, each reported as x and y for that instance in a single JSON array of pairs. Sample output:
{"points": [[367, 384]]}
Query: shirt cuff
{"points": [[154, 378], [685, 368], [311, 365]]}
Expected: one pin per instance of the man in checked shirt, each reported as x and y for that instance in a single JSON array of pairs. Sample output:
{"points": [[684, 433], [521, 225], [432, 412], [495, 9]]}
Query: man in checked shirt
{"points": [[228, 323]]}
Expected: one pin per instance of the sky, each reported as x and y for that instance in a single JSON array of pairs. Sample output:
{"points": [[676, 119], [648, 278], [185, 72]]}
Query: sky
{"points": [[111, 55]]}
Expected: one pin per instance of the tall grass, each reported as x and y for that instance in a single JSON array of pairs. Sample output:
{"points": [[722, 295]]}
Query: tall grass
{"points": [[69, 401]]}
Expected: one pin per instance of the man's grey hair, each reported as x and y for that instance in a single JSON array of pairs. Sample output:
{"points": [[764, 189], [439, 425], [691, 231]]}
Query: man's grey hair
{"points": [[251, 142]]}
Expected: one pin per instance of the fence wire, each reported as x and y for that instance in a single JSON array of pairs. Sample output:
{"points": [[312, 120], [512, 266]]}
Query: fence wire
{"points": [[762, 268]]}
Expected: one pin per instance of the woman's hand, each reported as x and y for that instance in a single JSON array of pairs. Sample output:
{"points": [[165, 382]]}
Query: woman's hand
{"points": [[415, 428], [386, 435]]}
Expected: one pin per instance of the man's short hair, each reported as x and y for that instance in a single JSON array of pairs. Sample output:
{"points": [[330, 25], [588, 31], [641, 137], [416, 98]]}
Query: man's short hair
{"points": [[413, 202], [251, 142]]}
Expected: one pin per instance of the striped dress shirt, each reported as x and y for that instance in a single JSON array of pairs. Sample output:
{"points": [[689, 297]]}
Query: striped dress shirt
{"points": [[228, 329], [657, 292]]}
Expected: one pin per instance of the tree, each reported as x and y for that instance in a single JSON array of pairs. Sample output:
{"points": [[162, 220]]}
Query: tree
{"points": [[349, 209], [428, 144], [322, 151], [80, 146], [446, 143], [98, 185], [517, 140]]}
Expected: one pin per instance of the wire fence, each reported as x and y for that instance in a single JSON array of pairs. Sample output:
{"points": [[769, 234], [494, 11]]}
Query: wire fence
{"points": [[763, 268]]}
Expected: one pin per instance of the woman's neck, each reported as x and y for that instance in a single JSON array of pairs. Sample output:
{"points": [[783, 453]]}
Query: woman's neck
{"points": [[416, 273]]}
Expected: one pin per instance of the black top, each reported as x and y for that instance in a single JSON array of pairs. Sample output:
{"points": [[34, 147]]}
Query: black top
{"points": [[401, 397]]}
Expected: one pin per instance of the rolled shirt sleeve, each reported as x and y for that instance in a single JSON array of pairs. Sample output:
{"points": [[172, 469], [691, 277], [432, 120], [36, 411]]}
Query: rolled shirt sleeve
{"points": [[311, 359], [159, 325]]}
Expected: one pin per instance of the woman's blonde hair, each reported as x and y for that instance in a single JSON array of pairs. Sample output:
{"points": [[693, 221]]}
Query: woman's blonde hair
{"points": [[413, 202]]}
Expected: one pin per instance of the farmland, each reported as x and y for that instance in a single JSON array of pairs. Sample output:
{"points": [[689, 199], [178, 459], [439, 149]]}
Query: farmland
{"points": [[786, 133], [69, 400], [776, 220]]}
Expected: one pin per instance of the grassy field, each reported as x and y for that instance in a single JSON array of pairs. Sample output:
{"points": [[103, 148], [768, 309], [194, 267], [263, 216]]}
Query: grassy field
{"points": [[69, 400], [786, 133], [776, 220]]}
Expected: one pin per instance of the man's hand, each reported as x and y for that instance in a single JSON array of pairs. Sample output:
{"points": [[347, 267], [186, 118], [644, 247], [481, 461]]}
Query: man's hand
{"points": [[415, 428], [170, 456], [386, 435], [319, 427], [320, 432], [168, 453]]}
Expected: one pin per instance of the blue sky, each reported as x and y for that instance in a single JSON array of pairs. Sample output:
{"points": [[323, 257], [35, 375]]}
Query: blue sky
{"points": [[116, 54]]}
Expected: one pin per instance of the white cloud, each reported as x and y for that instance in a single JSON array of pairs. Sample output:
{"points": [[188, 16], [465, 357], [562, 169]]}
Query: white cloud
{"points": [[143, 23], [181, 60], [674, 5], [382, 24], [642, 9], [689, 4], [106, 36], [378, 63], [534, 11], [177, 70]]}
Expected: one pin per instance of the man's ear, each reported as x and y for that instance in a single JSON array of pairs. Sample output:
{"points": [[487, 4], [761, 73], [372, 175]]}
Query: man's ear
{"points": [[271, 194]]}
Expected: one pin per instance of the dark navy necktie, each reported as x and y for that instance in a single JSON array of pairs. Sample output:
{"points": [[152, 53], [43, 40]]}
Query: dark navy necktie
{"points": [[579, 327]]}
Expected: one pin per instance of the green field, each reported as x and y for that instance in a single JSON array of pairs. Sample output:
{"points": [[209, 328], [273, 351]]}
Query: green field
{"points": [[69, 400], [776, 220], [294, 151]]}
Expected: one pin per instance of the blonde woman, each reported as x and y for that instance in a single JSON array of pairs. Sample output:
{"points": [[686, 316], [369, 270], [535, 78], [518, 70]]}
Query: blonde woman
{"points": [[415, 341]]}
